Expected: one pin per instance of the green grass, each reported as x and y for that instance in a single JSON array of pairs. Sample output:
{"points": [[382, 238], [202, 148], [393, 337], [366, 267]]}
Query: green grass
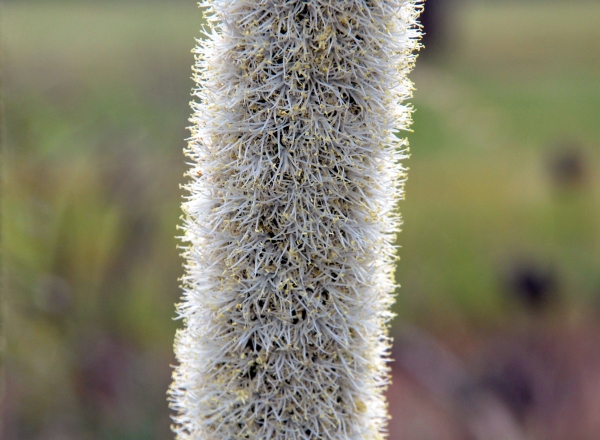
{"points": [[520, 80], [96, 99]]}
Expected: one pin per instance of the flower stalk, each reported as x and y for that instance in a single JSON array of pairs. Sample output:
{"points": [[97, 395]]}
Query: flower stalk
{"points": [[291, 217]]}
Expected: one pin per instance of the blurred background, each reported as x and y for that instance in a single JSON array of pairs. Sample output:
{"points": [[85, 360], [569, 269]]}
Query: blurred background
{"points": [[498, 327]]}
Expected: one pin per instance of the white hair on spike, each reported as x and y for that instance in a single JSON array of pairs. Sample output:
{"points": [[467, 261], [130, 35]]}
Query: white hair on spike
{"points": [[291, 217]]}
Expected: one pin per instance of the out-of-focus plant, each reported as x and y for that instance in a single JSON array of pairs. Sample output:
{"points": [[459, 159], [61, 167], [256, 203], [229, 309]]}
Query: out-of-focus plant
{"points": [[291, 218]]}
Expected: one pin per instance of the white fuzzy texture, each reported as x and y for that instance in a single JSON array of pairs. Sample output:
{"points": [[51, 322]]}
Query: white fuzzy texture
{"points": [[291, 219]]}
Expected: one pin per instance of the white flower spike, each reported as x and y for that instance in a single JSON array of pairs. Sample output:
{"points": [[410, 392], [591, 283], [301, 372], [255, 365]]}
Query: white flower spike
{"points": [[290, 218]]}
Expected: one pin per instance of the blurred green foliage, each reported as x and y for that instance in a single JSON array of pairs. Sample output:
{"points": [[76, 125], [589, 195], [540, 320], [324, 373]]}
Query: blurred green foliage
{"points": [[518, 85], [96, 98]]}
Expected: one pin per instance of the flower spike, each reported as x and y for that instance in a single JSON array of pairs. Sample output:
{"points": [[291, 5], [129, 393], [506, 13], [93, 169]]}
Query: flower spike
{"points": [[291, 216]]}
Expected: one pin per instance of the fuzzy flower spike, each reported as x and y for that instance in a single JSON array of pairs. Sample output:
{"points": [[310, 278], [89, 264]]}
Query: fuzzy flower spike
{"points": [[290, 218]]}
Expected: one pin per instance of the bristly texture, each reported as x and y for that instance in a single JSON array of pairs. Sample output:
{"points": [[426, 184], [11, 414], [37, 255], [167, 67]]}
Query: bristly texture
{"points": [[291, 218]]}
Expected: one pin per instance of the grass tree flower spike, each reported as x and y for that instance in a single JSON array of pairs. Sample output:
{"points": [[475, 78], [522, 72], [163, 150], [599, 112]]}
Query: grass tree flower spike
{"points": [[291, 217]]}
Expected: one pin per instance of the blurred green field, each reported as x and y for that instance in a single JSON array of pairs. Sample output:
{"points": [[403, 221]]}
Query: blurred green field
{"points": [[518, 82], [96, 101]]}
